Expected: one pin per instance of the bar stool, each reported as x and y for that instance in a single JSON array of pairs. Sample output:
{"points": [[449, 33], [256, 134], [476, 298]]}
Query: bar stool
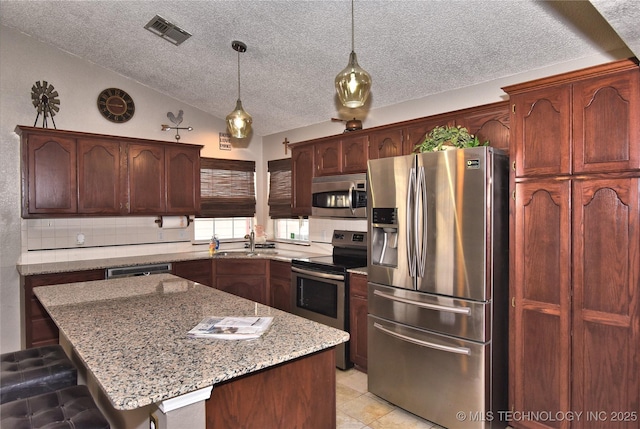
{"points": [[34, 371], [68, 408]]}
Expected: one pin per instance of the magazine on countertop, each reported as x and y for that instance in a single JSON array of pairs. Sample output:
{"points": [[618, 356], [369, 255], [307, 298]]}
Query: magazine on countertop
{"points": [[231, 328]]}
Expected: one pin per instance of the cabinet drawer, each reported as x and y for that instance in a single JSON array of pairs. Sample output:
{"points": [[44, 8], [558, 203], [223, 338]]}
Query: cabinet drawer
{"points": [[238, 267]]}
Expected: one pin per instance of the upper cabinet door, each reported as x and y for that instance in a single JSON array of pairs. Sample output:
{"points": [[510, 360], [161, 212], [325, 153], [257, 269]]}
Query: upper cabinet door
{"points": [[540, 143], [328, 157], [489, 123], [183, 180], [302, 168], [386, 143], [355, 154], [51, 178], [99, 177], [146, 179], [606, 123]]}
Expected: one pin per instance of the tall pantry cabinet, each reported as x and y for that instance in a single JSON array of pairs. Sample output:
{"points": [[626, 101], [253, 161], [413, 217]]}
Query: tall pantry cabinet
{"points": [[575, 249]]}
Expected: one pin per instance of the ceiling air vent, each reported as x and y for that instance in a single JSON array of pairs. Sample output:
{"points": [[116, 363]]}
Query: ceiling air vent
{"points": [[168, 31]]}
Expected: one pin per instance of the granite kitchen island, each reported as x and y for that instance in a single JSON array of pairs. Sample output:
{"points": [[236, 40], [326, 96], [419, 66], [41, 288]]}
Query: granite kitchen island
{"points": [[128, 337]]}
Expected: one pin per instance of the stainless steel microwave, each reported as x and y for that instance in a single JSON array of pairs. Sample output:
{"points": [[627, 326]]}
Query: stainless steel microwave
{"points": [[339, 196]]}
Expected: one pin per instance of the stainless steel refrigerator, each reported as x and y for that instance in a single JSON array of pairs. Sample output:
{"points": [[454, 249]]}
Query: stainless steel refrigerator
{"points": [[438, 285]]}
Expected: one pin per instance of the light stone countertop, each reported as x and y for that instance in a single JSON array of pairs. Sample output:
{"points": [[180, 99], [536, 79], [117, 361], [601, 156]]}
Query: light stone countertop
{"points": [[127, 261], [131, 334]]}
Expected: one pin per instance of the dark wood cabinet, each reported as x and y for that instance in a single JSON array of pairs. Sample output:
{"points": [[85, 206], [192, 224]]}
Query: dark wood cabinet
{"points": [[575, 246], [358, 311], [49, 175], [489, 123], [280, 285], [302, 172], [250, 284], [606, 296], [182, 179], [71, 173], [328, 157], [100, 181], [355, 153], [386, 143], [197, 270], [39, 329], [146, 179], [606, 123], [344, 154]]}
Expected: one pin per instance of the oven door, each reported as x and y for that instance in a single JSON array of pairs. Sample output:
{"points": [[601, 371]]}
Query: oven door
{"points": [[318, 296]]}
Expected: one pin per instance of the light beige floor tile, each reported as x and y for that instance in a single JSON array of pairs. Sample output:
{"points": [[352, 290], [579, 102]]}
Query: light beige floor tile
{"points": [[356, 380], [345, 393], [365, 408], [400, 419], [345, 421]]}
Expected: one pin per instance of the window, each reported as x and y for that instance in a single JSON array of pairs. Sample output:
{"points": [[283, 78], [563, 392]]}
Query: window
{"points": [[227, 229], [293, 230], [228, 201]]}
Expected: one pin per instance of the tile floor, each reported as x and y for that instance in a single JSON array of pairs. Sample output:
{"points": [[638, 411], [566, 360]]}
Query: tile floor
{"points": [[359, 409]]}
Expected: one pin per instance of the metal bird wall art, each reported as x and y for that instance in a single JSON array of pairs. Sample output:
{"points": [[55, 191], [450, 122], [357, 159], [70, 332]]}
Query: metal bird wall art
{"points": [[177, 120]]}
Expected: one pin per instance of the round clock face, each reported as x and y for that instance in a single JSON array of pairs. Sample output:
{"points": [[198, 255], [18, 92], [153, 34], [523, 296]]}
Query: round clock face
{"points": [[116, 105]]}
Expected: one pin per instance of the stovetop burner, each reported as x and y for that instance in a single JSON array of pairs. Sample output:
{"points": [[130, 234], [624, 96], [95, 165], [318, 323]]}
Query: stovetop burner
{"points": [[349, 251]]}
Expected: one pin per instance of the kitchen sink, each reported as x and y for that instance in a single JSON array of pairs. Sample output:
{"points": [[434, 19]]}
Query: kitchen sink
{"points": [[247, 253]]}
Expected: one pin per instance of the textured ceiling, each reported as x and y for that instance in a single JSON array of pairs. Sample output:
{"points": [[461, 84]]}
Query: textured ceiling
{"points": [[412, 49]]}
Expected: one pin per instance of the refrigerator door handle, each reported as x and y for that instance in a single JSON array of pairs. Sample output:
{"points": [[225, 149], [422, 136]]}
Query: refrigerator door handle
{"points": [[411, 203], [457, 310], [421, 242], [449, 349]]}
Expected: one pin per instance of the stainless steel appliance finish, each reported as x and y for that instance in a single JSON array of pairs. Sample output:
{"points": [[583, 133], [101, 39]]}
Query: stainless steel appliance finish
{"points": [[339, 196], [438, 284], [320, 285], [137, 270]]}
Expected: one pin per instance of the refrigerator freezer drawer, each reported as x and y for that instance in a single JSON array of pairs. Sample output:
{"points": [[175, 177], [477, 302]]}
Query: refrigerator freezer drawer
{"points": [[451, 316], [433, 376]]}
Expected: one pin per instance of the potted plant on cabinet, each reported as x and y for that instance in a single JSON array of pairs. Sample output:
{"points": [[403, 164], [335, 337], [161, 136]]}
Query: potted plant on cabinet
{"points": [[448, 137]]}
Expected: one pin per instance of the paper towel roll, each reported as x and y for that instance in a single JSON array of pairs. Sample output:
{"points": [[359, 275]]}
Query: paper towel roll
{"points": [[174, 222]]}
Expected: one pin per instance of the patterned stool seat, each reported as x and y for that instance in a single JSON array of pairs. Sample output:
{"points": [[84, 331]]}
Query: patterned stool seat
{"points": [[68, 408], [34, 371]]}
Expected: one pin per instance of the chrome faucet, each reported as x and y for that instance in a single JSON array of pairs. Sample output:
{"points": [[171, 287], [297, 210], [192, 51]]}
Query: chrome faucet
{"points": [[252, 241]]}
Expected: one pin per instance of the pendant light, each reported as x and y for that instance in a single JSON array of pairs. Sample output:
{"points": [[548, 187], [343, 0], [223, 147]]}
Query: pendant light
{"points": [[239, 121], [353, 83]]}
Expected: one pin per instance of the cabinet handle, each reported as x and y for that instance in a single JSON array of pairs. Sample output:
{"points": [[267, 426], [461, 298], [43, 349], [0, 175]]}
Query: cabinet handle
{"points": [[513, 166], [513, 301], [513, 108]]}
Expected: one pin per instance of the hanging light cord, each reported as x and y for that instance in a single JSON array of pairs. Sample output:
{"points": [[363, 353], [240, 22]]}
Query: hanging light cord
{"points": [[353, 43], [238, 74]]}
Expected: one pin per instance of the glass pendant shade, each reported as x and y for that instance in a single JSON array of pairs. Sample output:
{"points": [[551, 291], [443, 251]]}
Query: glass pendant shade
{"points": [[353, 84], [239, 122]]}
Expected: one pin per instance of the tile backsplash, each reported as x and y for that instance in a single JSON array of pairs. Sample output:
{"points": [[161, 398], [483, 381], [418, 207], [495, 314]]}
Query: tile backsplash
{"points": [[78, 235]]}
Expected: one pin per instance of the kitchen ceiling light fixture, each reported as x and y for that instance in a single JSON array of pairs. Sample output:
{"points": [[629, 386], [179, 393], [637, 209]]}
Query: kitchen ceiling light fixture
{"points": [[353, 83], [239, 121]]}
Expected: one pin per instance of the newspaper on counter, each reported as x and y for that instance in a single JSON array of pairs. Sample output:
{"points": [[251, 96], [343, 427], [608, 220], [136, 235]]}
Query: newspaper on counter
{"points": [[231, 328]]}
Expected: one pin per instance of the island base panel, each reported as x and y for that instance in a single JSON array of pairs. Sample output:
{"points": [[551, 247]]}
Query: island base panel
{"points": [[296, 394]]}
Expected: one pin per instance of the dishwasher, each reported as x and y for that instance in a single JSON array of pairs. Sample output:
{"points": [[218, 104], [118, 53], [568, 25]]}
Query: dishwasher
{"points": [[137, 270]]}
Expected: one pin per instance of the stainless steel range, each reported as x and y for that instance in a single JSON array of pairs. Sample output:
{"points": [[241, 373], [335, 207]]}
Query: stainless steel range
{"points": [[320, 285]]}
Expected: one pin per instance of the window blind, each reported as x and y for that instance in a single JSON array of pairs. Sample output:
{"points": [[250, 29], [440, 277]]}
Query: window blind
{"points": [[280, 188], [227, 188]]}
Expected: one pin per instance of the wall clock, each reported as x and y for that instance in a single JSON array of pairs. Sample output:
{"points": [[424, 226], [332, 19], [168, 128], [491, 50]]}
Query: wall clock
{"points": [[116, 105]]}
